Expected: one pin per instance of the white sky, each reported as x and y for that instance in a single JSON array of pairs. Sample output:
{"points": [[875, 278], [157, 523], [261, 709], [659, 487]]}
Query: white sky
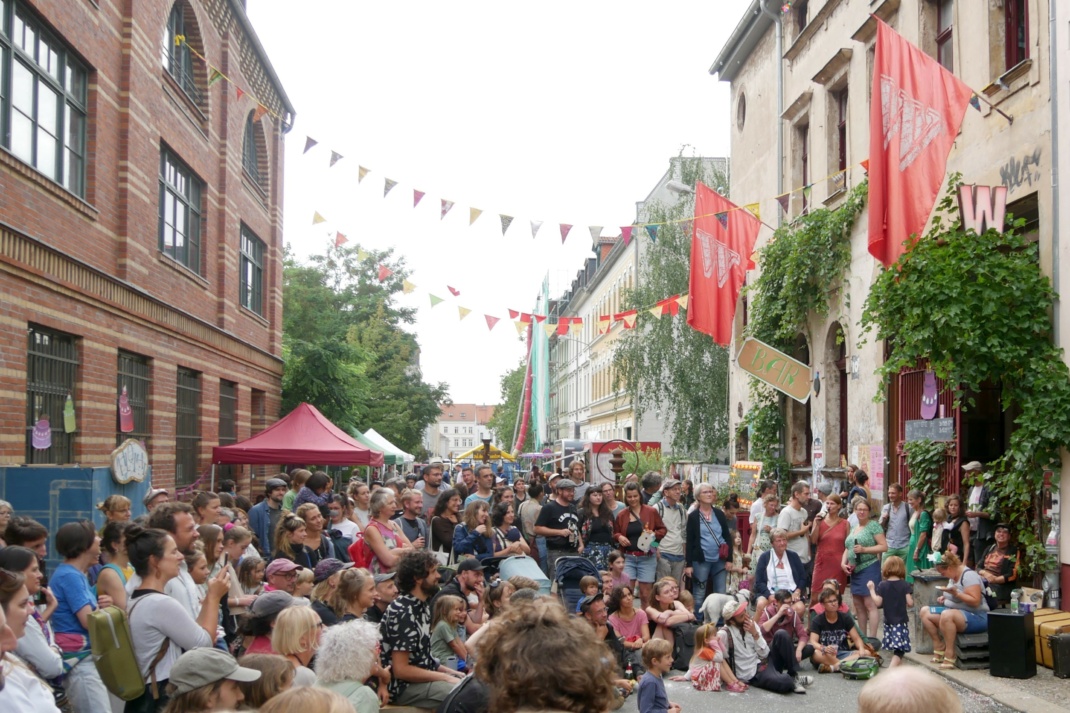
{"points": [[565, 111]]}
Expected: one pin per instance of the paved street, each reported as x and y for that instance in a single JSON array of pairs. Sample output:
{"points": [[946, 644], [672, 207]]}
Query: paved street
{"points": [[830, 693]]}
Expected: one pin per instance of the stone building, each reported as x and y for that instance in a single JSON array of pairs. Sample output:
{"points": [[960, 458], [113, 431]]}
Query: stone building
{"points": [[140, 229]]}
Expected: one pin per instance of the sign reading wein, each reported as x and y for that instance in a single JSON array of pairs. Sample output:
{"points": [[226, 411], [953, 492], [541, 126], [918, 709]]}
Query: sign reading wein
{"points": [[776, 369]]}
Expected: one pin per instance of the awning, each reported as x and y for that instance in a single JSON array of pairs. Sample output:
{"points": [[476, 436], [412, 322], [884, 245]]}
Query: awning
{"points": [[476, 454], [387, 447], [388, 458]]}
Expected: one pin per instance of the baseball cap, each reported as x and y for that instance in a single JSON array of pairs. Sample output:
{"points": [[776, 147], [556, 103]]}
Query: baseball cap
{"points": [[732, 609], [565, 484], [973, 465], [280, 566], [271, 603], [203, 667], [825, 488], [153, 492], [552, 476], [386, 577], [470, 565], [327, 567]]}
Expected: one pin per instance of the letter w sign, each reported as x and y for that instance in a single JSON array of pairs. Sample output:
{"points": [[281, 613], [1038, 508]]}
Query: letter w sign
{"points": [[983, 207]]}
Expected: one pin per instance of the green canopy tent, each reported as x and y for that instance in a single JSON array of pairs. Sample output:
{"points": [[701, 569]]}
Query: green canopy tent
{"points": [[387, 447], [389, 458]]}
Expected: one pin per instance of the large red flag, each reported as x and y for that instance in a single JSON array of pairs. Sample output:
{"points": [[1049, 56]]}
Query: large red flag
{"points": [[916, 109], [721, 245]]}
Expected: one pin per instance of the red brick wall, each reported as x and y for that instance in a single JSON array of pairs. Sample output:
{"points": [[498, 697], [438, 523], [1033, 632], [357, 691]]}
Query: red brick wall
{"points": [[134, 108]]}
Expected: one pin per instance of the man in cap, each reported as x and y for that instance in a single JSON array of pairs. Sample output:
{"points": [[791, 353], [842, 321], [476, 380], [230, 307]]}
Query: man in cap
{"points": [[154, 497], [468, 585], [265, 515], [671, 547], [201, 668], [560, 524], [329, 569], [281, 576], [385, 591], [980, 510], [781, 673]]}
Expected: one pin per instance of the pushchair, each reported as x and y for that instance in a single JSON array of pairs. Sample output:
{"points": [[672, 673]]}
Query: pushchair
{"points": [[527, 567], [570, 570]]}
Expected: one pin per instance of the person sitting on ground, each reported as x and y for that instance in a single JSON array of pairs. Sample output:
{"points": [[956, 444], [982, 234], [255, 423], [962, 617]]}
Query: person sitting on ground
{"points": [[276, 676], [962, 609], [666, 611], [496, 598], [448, 634], [385, 591], [709, 667], [630, 624], [355, 594], [742, 636], [346, 660], [539, 658], [780, 615], [834, 635], [471, 538], [779, 568], [204, 680], [325, 600], [297, 636], [468, 584]]}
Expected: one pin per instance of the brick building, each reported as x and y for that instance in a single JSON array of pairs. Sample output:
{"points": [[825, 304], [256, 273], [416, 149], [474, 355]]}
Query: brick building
{"points": [[140, 229]]}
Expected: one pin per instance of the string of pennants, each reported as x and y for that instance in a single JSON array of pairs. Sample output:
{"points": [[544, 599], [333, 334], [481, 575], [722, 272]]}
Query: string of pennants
{"points": [[215, 74]]}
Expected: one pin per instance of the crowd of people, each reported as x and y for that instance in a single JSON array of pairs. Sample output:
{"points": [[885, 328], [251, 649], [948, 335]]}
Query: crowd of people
{"points": [[386, 594]]}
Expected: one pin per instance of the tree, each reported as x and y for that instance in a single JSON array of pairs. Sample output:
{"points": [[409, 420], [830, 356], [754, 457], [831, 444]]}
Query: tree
{"points": [[504, 422], [666, 364], [344, 348]]}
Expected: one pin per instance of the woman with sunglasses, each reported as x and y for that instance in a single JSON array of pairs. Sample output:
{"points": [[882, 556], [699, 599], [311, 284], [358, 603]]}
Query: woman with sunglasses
{"points": [[20, 688]]}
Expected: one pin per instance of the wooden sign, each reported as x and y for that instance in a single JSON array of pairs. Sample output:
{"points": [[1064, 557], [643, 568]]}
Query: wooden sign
{"points": [[775, 368], [129, 462]]}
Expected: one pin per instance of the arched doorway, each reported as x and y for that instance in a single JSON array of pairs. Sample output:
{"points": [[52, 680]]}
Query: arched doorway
{"points": [[834, 389], [797, 416]]}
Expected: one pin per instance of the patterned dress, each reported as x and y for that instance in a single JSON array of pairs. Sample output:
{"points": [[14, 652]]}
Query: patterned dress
{"points": [[705, 669]]}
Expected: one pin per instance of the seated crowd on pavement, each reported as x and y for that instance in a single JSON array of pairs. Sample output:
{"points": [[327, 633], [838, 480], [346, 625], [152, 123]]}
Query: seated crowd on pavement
{"points": [[390, 593]]}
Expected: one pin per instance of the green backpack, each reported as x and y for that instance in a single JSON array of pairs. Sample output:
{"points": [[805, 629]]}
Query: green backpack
{"points": [[113, 652]]}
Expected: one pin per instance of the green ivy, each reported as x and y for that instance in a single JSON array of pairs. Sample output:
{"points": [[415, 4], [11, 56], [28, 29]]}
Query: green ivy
{"points": [[765, 422], [978, 309], [924, 459], [802, 267]]}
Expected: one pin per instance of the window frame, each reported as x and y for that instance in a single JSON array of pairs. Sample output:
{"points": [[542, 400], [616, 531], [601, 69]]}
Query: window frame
{"points": [[251, 250], [191, 198], [68, 81], [842, 109], [1016, 18], [252, 150], [187, 425], [178, 59], [134, 371], [50, 351], [945, 35]]}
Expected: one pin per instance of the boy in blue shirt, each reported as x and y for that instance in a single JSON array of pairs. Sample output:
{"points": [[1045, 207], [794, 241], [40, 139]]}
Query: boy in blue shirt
{"points": [[657, 658]]}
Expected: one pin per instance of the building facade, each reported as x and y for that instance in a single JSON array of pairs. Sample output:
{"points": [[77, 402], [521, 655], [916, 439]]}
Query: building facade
{"points": [[459, 428], [812, 102], [140, 232]]}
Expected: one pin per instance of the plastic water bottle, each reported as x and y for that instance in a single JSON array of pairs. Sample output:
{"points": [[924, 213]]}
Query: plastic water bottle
{"points": [[628, 673], [1014, 602]]}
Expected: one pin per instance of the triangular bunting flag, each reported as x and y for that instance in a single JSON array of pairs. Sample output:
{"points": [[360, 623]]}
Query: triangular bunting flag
{"points": [[975, 101], [259, 112], [446, 205], [784, 201], [238, 93], [562, 326], [434, 300], [407, 287], [596, 233], [513, 314], [361, 173], [722, 218], [576, 325], [525, 318], [473, 214], [387, 185], [839, 179], [340, 240], [629, 319], [604, 325], [565, 227], [682, 301], [507, 220], [626, 233], [865, 165], [535, 225], [384, 272], [416, 196], [491, 321], [806, 191], [652, 231], [540, 318], [463, 311], [549, 329], [670, 306], [453, 291], [317, 218], [755, 210], [215, 76], [309, 143], [362, 254], [335, 157], [655, 311], [521, 326]]}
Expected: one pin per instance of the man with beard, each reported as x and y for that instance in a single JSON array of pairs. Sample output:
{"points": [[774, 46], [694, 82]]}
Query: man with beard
{"points": [[468, 585], [265, 515], [430, 486], [559, 523], [418, 680], [176, 518]]}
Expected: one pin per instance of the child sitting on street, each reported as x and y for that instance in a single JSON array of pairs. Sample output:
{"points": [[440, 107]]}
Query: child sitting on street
{"points": [[709, 667]]}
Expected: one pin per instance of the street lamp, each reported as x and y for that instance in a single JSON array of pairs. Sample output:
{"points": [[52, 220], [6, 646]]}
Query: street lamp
{"points": [[486, 449]]}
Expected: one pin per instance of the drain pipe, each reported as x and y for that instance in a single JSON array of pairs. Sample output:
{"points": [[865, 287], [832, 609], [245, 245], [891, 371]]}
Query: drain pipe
{"points": [[1053, 79], [772, 12]]}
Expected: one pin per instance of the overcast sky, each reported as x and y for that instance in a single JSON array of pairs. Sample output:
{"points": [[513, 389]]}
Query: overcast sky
{"points": [[560, 111]]}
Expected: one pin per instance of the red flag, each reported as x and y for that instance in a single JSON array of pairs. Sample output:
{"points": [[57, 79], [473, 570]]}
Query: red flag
{"points": [[513, 314], [562, 325], [453, 291], [491, 321], [915, 114], [384, 272], [720, 257], [340, 240]]}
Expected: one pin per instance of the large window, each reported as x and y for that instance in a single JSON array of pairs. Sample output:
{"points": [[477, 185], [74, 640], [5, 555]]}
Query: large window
{"points": [[180, 212], [51, 373], [251, 288], [42, 98], [177, 58], [945, 49], [1016, 40], [841, 128], [188, 426], [254, 152], [135, 375], [228, 423]]}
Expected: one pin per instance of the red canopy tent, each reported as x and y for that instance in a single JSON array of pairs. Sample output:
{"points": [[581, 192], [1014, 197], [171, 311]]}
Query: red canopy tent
{"points": [[303, 436]]}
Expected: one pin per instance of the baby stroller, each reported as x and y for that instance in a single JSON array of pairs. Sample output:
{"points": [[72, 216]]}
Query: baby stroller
{"points": [[570, 570], [527, 567]]}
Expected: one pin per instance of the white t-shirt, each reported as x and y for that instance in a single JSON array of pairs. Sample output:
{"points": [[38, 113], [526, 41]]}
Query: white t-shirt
{"points": [[792, 520], [973, 503], [153, 618], [756, 510], [24, 691], [347, 527]]}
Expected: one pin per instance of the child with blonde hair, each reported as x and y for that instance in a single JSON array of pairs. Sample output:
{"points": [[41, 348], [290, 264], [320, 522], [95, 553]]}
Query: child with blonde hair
{"points": [[893, 595], [303, 585], [709, 667], [939, 532]]}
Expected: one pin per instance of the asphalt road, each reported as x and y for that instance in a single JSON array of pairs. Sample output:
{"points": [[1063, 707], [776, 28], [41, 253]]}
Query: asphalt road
{"points": [[830, 693]]}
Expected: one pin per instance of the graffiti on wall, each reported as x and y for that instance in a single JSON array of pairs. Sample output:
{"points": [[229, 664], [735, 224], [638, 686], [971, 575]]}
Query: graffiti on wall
{"points": [[1024, 171]]}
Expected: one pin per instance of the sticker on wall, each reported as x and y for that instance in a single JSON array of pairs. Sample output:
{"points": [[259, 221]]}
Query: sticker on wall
{"points": [[41, 439], [126, 414], [69, 424]]}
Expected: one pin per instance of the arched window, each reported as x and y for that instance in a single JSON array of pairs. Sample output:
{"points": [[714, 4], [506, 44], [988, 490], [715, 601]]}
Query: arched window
{"points": [[254, 153], [178, 56]]}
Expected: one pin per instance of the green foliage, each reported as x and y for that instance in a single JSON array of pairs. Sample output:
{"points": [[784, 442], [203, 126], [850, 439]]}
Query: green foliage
{"points": [[802, 266], [978, 309], [764, 422], [642, 462], [665, 364], [344, 350], [504, 421], [925, 458]]}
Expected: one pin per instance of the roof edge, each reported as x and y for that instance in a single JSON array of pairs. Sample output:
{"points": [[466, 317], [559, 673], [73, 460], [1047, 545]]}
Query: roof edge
{"points": [[238, 7], [752, 26]]}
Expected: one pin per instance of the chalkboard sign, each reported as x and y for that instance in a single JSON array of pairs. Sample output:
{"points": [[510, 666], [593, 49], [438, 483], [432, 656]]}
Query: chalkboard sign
{"points": [[938, 429]]}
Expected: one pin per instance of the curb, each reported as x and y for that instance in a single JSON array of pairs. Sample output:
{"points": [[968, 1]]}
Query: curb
{"points": [[981, 683]]}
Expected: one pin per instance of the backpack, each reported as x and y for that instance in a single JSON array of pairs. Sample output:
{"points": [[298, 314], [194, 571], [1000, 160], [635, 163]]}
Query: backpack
{"points": [[113, 653], [360, 553], [683, 646]]}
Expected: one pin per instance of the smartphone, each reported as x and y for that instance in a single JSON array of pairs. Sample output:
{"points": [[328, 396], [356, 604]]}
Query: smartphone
{"points": [[226, 560]]}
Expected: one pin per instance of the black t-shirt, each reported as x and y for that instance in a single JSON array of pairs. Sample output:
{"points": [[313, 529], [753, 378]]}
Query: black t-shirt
{"points": [[833, 633], [600, 532], [373, 614], [559, 517], [894, 592], [327, 615]]}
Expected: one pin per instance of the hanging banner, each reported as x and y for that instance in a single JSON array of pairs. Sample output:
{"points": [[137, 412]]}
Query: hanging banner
{"points": [[775, 368]]}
